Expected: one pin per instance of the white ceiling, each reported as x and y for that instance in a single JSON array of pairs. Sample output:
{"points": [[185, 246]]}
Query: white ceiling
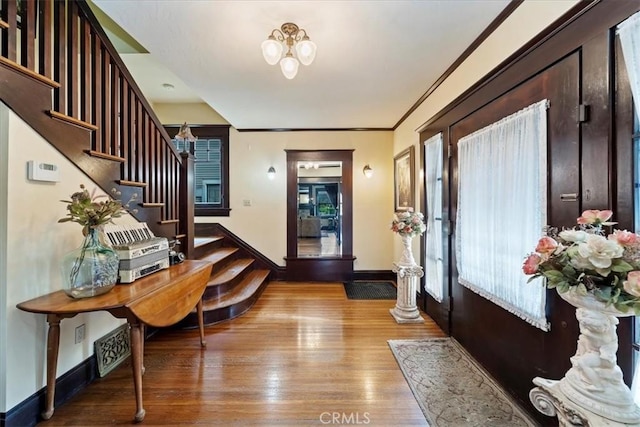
{"points": [[375, 58]]}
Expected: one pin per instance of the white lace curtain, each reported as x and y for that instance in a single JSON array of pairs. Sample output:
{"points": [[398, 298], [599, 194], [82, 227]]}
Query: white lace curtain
{"points": [[629, 33], [433, 283], [502, 207]]}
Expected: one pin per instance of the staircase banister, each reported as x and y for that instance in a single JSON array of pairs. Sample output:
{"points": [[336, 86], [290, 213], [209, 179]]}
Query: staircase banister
{"points": [[115, 56]]}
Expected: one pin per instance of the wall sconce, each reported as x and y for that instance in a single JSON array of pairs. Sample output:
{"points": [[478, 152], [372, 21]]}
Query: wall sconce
{"points": [[367, 171], [271, 173]]}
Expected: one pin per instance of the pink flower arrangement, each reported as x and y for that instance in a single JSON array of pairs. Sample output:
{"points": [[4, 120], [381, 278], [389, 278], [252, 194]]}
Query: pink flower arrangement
{"points": [[587, 259], [408, 223]]}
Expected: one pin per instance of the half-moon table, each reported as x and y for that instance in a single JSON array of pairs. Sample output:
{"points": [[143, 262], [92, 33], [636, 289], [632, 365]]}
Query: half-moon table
{"points": [[160, 299]]}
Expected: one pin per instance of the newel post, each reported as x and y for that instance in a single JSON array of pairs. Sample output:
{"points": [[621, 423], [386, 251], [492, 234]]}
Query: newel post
{"points": [[186, 204]]}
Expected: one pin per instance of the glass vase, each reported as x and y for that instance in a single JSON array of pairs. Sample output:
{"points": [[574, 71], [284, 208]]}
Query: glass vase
{"points": [[91, 269]]}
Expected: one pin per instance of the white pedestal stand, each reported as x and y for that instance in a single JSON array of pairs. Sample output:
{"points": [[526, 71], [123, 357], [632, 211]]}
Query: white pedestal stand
{"points": [[549, 399], [592, 392], [408, 273]]}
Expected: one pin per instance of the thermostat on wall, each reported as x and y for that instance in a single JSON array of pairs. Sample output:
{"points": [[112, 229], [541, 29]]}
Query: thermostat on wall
{"points": [[39, 171]]}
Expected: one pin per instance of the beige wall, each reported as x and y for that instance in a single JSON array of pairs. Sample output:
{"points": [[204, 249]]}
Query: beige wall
{"points": [[36, 244], [263, 224], [529, 19]]}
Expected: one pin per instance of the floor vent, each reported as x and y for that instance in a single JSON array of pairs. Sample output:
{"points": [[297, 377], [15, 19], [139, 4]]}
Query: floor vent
{"points": [[112, 349]]}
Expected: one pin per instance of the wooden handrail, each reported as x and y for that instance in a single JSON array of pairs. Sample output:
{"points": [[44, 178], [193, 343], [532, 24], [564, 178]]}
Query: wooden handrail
{"points": [[62, 45]]}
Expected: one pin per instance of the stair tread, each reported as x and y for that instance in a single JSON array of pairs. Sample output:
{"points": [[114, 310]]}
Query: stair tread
{"points": [[201, 241], [219, 255], [233, 270], [249, 285]]}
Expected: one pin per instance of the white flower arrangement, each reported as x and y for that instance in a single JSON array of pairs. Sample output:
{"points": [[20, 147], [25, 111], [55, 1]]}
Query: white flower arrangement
{"points": [[408, 223]]}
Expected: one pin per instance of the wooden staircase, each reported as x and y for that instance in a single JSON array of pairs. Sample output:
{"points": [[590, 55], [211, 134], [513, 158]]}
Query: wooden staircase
{"points": [[60, 73], [235, 284]]}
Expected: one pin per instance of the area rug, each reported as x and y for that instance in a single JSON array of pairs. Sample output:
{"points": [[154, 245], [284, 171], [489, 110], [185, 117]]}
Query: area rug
{"points": [[370, 290], [451, 388]]}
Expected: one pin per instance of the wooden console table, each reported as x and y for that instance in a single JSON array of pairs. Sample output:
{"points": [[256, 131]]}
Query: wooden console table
{"points": [[161, 299]]}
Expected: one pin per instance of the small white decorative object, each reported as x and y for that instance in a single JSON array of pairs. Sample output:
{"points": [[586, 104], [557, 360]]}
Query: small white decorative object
{"points": [[407, 224]]}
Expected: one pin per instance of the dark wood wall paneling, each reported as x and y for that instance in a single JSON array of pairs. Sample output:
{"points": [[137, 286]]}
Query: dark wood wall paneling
{"points": [[579, 62]]}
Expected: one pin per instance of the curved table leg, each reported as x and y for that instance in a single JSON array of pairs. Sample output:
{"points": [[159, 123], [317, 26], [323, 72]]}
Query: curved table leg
{"points": [[143, 332], [53, 344], [136, 357], [203, 343]]}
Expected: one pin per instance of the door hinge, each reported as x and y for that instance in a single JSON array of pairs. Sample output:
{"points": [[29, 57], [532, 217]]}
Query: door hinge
{"points": [[583, 113], [449, 151], [449, 227]]}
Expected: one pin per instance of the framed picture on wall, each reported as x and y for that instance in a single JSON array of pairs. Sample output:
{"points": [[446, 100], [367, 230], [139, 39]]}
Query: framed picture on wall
{"points": [[403, 177]]}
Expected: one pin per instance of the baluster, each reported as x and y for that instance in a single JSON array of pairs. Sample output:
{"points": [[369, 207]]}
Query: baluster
{"points": [[125, 125], [44, 39], [85, 71], [153, 163], [140, 153], [28, 34], [60, 56], [72, 61], [157, 165], [115, 110], [148, 158], [133, 120], [97, 69], [106, 101], [10, 42]]}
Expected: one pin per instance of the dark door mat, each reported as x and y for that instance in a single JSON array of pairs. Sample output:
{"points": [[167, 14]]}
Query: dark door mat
{"points": [[370, 290]]}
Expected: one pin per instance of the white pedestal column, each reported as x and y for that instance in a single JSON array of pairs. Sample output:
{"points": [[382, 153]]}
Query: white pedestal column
{"points": [[408, 275], [406, 310]]}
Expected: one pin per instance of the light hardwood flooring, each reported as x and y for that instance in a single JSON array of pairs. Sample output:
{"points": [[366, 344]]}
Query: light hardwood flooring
{"points": [[304, 355], [327, 245]]}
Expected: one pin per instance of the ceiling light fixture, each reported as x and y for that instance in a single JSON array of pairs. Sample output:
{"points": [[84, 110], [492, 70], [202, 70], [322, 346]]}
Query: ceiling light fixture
{"points": [[295, 38]]}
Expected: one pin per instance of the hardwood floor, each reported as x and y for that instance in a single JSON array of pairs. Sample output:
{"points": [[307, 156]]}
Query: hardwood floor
{"points": [[327, 245], [304, 355]]}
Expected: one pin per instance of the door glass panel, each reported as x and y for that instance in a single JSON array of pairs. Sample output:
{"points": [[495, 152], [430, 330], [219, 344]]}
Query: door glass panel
{"points": [[319, 209]]}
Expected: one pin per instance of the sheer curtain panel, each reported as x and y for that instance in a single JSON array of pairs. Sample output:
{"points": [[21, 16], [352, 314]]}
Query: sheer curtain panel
{"points": [[629, 32], [433, 282], [501, 211]]}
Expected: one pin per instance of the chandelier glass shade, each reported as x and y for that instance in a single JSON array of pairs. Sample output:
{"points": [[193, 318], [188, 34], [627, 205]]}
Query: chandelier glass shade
{"points": [[294, 39]]}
